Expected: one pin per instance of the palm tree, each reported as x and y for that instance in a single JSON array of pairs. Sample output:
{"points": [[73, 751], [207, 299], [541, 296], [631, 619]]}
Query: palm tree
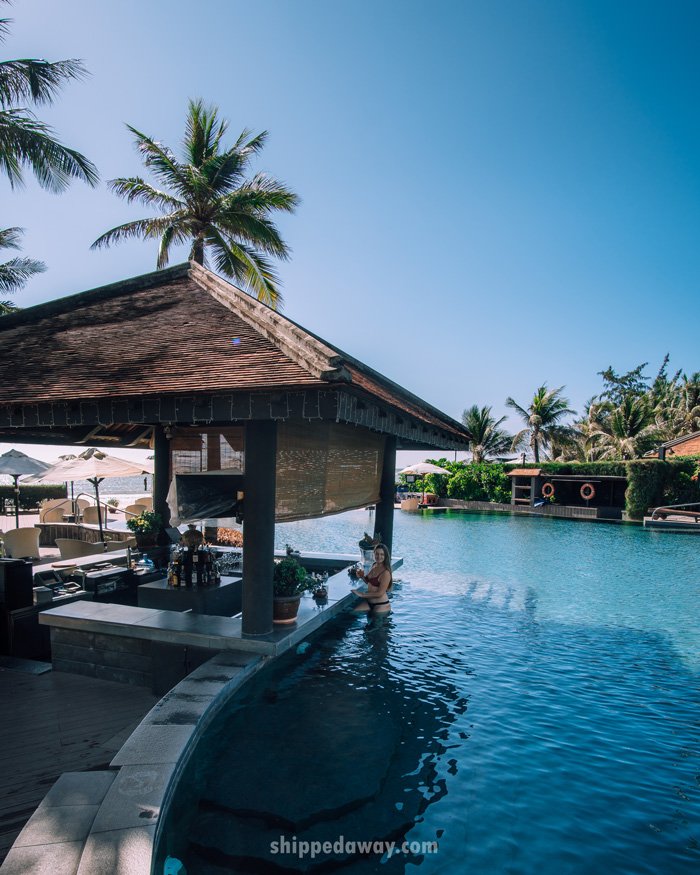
{"points": [[210, 203], [629, 430], [542, 419], [15, 272], [486, 438], [26, 142]]}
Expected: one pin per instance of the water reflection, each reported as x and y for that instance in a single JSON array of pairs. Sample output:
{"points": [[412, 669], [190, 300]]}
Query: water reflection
{"points": [[334, 744]]}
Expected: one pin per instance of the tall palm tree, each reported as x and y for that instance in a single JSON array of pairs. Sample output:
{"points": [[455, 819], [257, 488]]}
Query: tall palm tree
{"points": [[26, 142], [210, 203], [542, 418], [486, 437], [15, 272], [629, 430]]}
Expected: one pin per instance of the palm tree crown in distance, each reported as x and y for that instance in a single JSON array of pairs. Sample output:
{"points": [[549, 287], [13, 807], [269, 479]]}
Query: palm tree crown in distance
{"points": [[209, 201], [25, 142], [542, 418], [486, 437], [15, 272]]}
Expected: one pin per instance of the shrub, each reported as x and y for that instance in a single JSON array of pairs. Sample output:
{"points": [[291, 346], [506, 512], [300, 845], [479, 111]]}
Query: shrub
{"points": [[30, 496], [485, 481]]}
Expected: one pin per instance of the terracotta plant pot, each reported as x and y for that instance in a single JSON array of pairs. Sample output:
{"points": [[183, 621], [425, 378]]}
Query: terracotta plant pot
{"points": [[145, 540], [285, 609]]}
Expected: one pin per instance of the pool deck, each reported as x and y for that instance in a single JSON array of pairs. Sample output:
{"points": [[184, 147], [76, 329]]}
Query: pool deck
{"points": [[107, 821], [53, 723]]}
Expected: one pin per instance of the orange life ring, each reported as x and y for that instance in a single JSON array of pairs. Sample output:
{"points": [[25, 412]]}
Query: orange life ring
{"points": [[587, 491], [547, 490]]}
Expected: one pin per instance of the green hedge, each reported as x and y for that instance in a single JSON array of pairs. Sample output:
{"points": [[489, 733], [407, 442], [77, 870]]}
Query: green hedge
{"points": [[650, 483], [30, 496], [591, 469], [484, 481]]}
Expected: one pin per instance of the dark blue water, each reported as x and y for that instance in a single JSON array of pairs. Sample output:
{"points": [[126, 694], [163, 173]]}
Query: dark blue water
{"points": [[532, 705]]}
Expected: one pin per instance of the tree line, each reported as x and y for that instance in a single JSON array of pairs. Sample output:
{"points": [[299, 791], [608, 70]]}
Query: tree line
{"points": [[632, 415], [207, 197]]}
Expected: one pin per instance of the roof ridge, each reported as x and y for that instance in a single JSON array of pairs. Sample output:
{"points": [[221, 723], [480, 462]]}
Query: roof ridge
{"points": [[99, 293], [303, 348], [679, 440]]}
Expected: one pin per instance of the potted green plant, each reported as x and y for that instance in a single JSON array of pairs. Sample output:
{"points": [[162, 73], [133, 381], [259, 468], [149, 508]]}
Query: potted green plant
{"points": [[145, 527], [112, 505], [289, 583]]}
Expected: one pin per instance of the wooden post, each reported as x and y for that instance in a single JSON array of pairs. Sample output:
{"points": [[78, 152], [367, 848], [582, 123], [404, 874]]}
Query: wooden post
{"points": [[259, 526], [213, 451], [161, 473], [384, 514]]}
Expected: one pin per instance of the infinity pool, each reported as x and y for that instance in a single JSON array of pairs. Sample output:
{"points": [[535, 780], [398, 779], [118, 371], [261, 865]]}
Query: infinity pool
{"points": [[532, 705]]}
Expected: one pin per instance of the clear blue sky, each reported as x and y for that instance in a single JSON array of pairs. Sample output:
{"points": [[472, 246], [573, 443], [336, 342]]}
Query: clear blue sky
{"points": [[495, 194]]}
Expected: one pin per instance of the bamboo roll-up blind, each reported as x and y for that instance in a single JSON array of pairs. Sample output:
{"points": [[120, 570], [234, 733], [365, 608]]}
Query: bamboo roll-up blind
{"points": [[325, 468]]}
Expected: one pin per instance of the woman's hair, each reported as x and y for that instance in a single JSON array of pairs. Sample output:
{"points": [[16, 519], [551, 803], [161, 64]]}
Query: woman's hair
{"points": [[386, 563]]}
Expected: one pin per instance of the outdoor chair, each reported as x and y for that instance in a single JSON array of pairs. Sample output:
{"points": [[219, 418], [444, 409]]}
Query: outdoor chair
{"points": [[71, 548], [81, 503], [22, 543], [147, 502], [53, 510], [134, 509], [111, 546], [90, 515]]}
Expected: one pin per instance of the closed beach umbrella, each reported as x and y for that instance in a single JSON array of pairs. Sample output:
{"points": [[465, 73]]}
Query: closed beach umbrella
{"points": [[423, 468], [94, 466], [17, 464]]}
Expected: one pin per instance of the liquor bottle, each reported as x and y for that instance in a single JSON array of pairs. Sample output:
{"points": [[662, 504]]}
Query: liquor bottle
{"points": [[198, 559], [187, 566]]}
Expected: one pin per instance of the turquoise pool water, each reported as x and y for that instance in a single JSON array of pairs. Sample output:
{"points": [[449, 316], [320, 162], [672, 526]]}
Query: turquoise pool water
{"points": [[532, 705]]}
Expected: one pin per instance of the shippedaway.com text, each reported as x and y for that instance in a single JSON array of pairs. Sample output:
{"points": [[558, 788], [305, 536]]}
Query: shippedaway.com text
{"points": [[301, 848]]}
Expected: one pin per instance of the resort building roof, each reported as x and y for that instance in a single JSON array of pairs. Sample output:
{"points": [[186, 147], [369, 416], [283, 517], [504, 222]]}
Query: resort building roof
{"points": [[184, 346], [688, 445]]}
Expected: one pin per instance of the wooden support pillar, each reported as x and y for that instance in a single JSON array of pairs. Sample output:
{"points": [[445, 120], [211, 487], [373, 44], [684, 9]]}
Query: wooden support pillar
{"points": [[161, 473], [213, 451], [384, 514], [259, 526]]}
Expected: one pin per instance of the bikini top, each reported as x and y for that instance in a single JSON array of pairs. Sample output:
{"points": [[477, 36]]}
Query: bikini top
{"points": [[374, 580]]}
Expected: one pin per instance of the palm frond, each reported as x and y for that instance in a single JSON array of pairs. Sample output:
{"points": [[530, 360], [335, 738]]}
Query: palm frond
{"points": [[246, 266], [136, 189], [258, 232], [10, 238], [26, 142], [161, 160], [15, 273], [164, 250], [148, 229], [36, 80], [203, 132]]}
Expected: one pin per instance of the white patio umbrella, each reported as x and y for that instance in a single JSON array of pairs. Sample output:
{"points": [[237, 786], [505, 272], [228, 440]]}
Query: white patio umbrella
{"points": [[423, 468], [17, 464], [92, 465]]}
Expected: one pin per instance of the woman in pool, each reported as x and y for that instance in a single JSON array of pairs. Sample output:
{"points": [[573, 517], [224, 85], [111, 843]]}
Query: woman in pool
{"points": [[379, 581]]}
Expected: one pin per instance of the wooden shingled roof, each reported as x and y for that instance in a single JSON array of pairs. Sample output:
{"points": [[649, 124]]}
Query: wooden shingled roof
{"points": [[180, 330]]}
